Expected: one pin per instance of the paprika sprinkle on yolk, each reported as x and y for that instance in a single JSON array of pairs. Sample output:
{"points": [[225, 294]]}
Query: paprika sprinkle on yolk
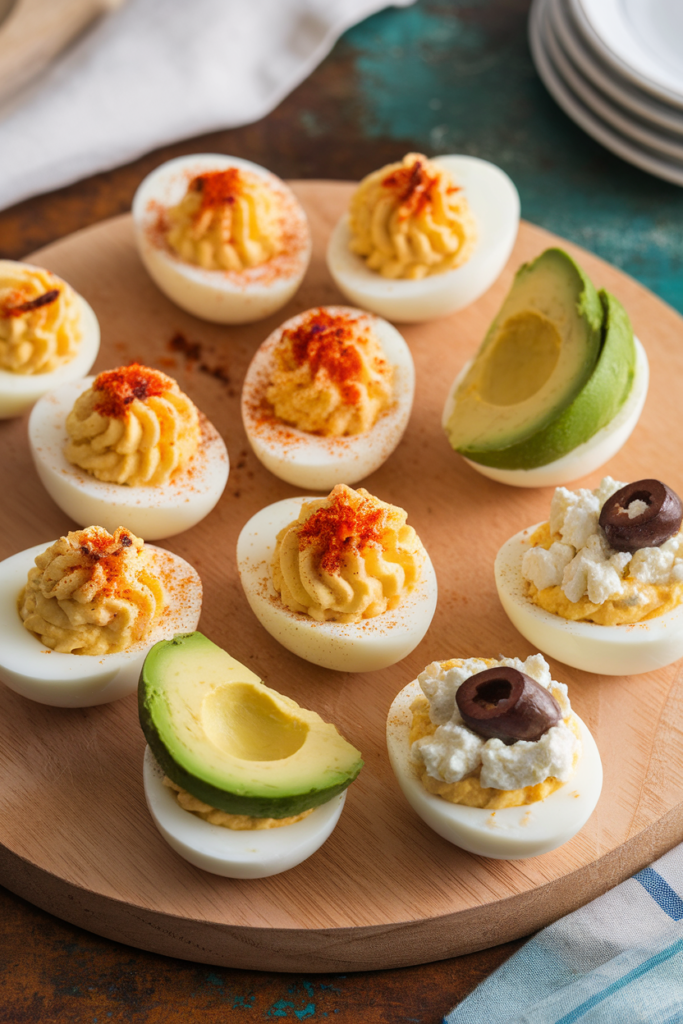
{"points": [[414, 185], [122, 386], [326, 342], [342, 527], [218, 188]]}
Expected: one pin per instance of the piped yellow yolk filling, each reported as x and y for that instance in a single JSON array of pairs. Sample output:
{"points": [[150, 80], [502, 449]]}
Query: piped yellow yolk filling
{"points": [[348, 557], [469, 791], [637, 602], [330, 376], [40, 321], [133, 426], [227, 220], [236, 822], [410, 220], [92, 593]]}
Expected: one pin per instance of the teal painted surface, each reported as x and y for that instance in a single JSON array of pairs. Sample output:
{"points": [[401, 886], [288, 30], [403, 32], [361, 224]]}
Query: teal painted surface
{"points": [[456, 76]]}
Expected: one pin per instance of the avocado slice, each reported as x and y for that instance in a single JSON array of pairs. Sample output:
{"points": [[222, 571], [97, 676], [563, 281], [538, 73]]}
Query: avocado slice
{"points": [[536, 358], [229, 740], [595, 406]]}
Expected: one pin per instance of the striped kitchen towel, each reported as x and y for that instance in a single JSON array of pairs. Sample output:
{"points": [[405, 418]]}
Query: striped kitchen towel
{"points": [[618, 960]]}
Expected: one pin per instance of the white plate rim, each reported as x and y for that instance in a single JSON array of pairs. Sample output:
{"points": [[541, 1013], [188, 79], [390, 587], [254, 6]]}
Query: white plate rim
{"points": [[592, 125]]}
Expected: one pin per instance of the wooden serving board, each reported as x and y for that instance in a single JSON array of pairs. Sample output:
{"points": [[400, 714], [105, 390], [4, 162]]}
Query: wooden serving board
{"points": [[384, 891]]}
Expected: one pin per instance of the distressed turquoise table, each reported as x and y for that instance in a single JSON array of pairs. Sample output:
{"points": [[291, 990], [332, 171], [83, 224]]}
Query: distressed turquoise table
{"points": [[441, 76]]}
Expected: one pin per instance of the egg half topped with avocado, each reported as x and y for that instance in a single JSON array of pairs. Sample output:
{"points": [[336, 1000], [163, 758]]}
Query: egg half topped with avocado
{"points": [[557, 385], [239, 779]]}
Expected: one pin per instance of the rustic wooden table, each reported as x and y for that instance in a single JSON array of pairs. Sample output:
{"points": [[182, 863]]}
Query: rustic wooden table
{"points": [[442, 76]]}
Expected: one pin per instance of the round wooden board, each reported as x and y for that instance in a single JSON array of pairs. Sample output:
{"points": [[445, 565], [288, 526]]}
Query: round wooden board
{"points": [[384, 891]]}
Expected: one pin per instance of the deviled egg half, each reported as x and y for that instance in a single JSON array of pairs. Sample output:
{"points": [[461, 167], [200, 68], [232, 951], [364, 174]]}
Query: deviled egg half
{"points": [[222, 237], [600, 586], [239, 779], [128, 447], [558, 383], [423, 238], [48, 335], [78, 617], [341, 581], [491, 756], [328, 396]]}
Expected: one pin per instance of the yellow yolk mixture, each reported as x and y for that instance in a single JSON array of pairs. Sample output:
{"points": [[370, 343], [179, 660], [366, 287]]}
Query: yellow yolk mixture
{"points": [[236, 822], [40, 320], [329, 376], [637, 602], [348, 557], [92, 593], [133, 426], [227, 220], [410, 219]]}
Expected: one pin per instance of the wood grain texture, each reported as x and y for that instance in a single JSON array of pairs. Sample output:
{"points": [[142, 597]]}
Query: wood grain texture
{"points": [[75, 836]]}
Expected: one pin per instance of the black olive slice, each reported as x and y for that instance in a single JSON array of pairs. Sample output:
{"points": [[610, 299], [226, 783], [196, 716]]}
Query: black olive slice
{"points": [[652, 526], [506, 704]]}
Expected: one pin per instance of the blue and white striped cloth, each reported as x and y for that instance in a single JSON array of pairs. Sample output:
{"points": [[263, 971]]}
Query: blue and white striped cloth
{"points": [[618, 960]]}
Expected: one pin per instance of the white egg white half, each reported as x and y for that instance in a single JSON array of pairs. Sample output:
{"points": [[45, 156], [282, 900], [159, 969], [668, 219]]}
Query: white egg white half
{"points": [[608, 650], [19, 391], [510, 833], [82, 680], [221, 296], [150, 512], [318, 463], [348, 647], [586, 457], [494, 202], [253, 853]]}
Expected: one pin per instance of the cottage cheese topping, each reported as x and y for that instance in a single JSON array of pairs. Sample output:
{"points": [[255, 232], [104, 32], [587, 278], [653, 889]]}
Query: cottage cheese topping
{"points": [[574, 572], [454, 751]]}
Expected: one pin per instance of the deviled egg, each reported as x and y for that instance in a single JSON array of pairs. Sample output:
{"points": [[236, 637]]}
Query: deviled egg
{"points": [[128, 447], [585, 595], [48, 335], [327, 396], [558, 383], [222, 237], [491, 756], [341, 581], [78, 617], [239, 779], [424, 238]]}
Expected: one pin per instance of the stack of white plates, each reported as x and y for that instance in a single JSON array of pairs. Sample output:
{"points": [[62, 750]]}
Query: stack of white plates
{"points": [[616, 68]]}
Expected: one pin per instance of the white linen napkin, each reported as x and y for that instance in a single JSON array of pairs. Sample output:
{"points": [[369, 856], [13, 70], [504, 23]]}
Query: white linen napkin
{"points": [[157, 71]]}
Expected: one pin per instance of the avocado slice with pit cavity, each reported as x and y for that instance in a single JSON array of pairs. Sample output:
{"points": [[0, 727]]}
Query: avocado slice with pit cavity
{"points": [[229, 740], [536, 358], [595, 406]]}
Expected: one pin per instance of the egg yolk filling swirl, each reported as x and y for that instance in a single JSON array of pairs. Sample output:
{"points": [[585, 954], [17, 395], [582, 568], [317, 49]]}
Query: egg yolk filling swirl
{"points": [[410, 219], [348, 557], [133, 426], [92, 593], [227, 220], [330, 376], [40, 320]]}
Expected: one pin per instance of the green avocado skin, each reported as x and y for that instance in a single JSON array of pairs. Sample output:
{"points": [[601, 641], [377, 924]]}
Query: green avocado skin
{"points": [[232, 803], [595, 406]]}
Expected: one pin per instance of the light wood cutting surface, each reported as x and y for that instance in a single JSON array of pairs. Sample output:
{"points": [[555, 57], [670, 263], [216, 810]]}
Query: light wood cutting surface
{"points": [[75, 835]]}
